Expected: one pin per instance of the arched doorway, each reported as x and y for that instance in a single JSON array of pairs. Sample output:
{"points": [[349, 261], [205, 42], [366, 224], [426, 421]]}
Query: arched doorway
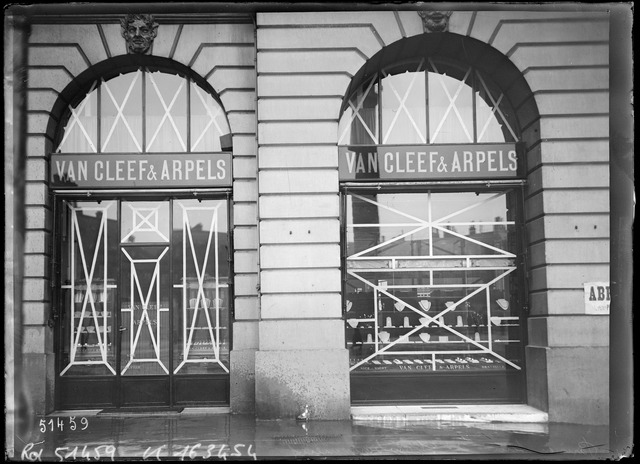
{"points": [[141, 176]]}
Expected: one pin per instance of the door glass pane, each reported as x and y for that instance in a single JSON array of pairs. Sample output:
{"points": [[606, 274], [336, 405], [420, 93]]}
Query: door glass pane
{"points": [[166, 113], [145, 222], [89, 244], [121, 114], [201, 287], [431, 283], [403, 109], [144, 312]]}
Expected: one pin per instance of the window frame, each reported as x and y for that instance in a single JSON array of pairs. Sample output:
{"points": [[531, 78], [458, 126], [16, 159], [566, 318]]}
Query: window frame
{"points": [[413, 382], [362, 378], [481, 85], [96, 86]]}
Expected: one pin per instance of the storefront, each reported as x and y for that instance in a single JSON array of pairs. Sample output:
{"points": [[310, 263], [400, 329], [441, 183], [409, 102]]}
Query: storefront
{"points": [[432, 224], [143, 296], [262, 210]]}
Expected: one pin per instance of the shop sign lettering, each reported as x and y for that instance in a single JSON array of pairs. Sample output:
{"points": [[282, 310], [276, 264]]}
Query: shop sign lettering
{"points": [[141, 171], [428, 162], [597, 297]]}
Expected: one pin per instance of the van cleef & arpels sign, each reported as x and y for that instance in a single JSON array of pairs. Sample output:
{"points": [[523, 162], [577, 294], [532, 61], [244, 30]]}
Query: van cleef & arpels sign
{"points": [[92, 171], [429, 162]]}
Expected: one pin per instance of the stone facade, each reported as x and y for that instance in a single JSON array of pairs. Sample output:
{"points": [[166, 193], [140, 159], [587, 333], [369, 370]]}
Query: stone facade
{"points": [[282, 80]]}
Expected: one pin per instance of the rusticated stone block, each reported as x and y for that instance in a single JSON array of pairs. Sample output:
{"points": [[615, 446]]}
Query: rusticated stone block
{"points": [[287, 380]]}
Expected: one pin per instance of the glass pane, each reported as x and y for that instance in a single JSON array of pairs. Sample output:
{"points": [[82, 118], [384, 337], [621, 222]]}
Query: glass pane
{"points": [[201, 287], [420, 296], [450, 110], [471, 224], [403, 108], [388, 225], [492, 127], [80, 133], [144, 313], [359, 122], [89, 243], [429, 224], [145, 222], [166, 113], [121, 114], [210, 131]]}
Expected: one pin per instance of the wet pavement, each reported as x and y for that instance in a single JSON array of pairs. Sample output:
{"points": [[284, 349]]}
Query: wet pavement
{"points": [[87, 436]]}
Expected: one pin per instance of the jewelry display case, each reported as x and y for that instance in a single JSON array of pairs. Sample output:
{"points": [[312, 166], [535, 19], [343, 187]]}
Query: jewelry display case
{"points": [[401, 339], [431, 286]]}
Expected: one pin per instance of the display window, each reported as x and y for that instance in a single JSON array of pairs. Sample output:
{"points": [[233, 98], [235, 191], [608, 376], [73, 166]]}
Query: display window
{"points": [[433, 294], [433, 289], [430, 281]]}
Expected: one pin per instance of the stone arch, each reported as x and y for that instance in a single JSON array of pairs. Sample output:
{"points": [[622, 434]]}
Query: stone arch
{"points": [[473, 52], [504, 74]]}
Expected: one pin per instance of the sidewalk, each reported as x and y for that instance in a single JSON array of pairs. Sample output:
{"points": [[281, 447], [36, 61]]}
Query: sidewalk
{"points": [[197, 434]]}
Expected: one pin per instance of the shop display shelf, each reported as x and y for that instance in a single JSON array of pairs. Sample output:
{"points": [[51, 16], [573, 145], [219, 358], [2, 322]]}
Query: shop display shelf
{"points": [[85, 330], [417, 342], [209, 307], [99, 314], [435, 327]]}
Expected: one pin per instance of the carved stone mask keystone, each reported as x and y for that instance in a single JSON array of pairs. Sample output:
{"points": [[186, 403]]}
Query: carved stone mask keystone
{"points": [[139, 30], [435, 21]]}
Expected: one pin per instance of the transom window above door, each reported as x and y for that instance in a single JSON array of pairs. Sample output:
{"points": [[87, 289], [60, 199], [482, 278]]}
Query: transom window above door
{"points": [[146, 112], [431, 101]]}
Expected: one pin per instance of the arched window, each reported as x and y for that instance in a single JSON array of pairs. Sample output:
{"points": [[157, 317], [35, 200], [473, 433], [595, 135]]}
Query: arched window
{"points": [[144, 295], [431, 101], [145, 112], [431, 183]]}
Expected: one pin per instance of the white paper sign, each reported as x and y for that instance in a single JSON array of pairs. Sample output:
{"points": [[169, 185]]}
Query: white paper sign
{"points": [[597, 297]]}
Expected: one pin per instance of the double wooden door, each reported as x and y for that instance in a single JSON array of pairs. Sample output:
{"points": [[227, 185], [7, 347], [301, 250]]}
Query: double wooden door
{"points": [[143, 303]]}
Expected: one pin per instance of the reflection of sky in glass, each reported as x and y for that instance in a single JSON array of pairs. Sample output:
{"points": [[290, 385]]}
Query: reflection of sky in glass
{"points": [[404, 118], [145, 222], [449, 102], [490, 124], [208, 122], [361, 126], [166, 118], [122, 132], [450, 110], [80, 135], [201, 218], [343, 126], [489, 130], [165, 110]]}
